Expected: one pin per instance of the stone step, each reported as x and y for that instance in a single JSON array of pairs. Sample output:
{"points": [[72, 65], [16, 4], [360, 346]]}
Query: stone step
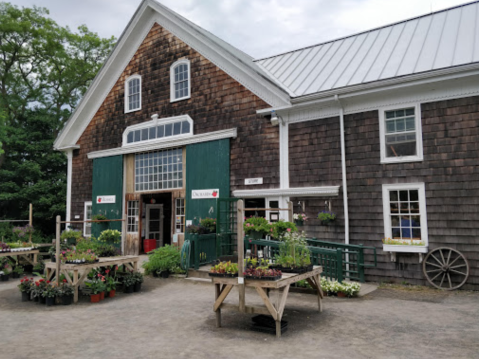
{"points": [[199, 280]]}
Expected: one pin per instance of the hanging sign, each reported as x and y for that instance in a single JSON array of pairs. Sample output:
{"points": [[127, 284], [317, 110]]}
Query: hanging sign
{"points": [[105, 199], [252, 181], [205, 193]]}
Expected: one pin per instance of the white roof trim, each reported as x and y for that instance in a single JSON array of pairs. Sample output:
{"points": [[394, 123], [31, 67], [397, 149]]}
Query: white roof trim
{"points": [[68, 147], [161, 144], [326, 191]]}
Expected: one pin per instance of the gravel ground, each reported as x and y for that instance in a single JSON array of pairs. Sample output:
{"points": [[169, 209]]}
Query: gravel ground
{"points": [[173, 318]]}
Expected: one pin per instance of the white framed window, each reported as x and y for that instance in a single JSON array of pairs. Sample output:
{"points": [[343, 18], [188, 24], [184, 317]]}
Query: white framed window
{"points": [[180, 215], [132, 216], [158, 130], [180, 80], [401, 134], [87, 217], [133, 93], [404, 208], [159, 170]]}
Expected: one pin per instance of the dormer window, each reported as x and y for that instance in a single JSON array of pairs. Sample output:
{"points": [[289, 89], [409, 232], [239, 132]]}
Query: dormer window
{"points": [[133, 93], [180, 82]]}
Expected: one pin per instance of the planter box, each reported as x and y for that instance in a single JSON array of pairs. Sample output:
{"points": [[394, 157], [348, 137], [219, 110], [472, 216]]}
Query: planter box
{"points": [[404, 248]]}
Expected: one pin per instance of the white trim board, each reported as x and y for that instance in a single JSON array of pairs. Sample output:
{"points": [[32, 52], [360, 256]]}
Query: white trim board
{"points": [[162, 144], [326, 191]]}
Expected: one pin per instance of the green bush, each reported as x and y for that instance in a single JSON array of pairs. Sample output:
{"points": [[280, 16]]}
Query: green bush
{"points": [[162, 259], [281, 228]]}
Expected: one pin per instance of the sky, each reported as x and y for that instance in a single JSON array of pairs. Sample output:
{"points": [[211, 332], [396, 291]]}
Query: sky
{"points": [[260, 28]]}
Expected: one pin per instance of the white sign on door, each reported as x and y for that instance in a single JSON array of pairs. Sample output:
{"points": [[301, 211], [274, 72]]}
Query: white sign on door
{"points": [[105, 199], [205, 193]]}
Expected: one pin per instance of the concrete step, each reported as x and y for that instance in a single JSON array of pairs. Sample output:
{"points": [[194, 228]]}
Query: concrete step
{"points": [[199, 280], [198, 274]]}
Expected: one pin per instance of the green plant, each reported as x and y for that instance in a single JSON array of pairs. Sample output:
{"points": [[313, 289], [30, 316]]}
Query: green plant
{"points": [[110, 236], [209, 224], [300, 217], [225, 268], [65, 289], [138, 277], [50, 290], [99, 217], [18, 269], [39, 267], [97, 285], [39, 287], [162, 259], [403, 242], [326, 217], [129, 279], [26, 285], [256, 224], [281, 228], [71, 234], [110, 283], [293, 251], [5, 265], [22, 232]]}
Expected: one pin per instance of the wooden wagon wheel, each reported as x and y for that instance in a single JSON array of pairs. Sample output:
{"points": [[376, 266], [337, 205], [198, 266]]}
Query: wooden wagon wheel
{"points": [[445, 268]]}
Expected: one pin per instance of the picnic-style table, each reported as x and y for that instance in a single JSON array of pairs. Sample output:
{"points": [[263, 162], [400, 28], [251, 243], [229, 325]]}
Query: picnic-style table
{"points": [[31, 256], [80, 271], [223, 287]]}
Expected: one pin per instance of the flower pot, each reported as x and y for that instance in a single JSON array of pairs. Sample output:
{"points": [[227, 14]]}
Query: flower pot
{"points": [[102, 295], [137, 287], [256, 235], [299, 222], [342, 295], [4, 277], [165, 274], [71, 241], [42, 300], [95, 298], [128, 289], [35, 299], [49, 301], [28, 268], [67, 299], [15, 275], [112, 293], [25, 297]]}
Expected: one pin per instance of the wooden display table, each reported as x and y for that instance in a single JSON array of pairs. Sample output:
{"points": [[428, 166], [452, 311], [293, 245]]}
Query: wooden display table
{"points": [[223, 287], [130, 262], [30, 256]]}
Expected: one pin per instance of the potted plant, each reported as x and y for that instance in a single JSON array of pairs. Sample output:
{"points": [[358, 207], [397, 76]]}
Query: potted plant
{"points": [[294, 256], [25, 287], [110, 236], [111, 283], [256, 227], [96, 288], [71, 236], [17, 271], [129, 282], [162, 260], [5, 269], [99, 217], [209, 224], [4, 248], [39, 268], [224, 269], [50, 292], [66, 292], [299, 218], [279, 229], [326, 217], [262, 273], [37, 291], [138, 280]]}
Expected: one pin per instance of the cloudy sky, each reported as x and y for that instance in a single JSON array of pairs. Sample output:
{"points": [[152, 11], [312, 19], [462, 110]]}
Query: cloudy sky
{"points": [[258, 27]]}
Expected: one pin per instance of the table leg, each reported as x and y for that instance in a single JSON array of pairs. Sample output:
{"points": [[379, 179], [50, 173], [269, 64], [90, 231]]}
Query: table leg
{"points": [[218, 311], [35, 257], [75, 286]]}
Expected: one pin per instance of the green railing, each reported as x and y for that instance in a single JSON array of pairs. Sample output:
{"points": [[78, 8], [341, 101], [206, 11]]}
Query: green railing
{"points": [[330, 259], [203, 249], [352, 257], [226, 227]]}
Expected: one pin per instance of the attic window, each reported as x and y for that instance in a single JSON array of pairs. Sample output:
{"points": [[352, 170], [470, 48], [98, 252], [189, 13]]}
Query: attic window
{"points": [[133, 93], [180, 84], [159, 130]]}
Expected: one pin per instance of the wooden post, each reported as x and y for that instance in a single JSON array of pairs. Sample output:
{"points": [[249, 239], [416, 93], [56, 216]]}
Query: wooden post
{"points": [[240, 234], [290, 211], [58, 259], [30, 218]]}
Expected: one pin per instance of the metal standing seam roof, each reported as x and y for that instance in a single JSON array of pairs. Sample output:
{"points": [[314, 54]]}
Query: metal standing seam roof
{"points": [[439, 40]]}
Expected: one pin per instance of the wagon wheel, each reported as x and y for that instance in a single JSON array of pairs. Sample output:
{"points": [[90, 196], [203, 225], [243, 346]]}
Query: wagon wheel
{"points": [[445, 268]]}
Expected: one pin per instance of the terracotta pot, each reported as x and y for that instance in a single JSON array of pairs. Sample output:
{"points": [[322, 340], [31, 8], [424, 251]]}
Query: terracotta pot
{"points": [[342, 295], [102, 295], [112, 293], [95, 298]]}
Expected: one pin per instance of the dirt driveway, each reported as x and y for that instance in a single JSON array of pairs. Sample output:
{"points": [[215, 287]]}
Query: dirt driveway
{"points": [[173, 318]]}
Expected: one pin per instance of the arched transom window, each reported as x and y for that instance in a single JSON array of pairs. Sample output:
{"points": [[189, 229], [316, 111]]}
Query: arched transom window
{"points": [[133, 93], [180, 80]]}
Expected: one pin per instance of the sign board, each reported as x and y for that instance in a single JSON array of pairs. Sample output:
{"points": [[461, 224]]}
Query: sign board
{"points": [[105, 199], [252, 181], [205, 193]]}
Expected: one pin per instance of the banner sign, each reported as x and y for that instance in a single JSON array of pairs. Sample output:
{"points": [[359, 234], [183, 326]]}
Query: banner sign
{"points": [[105, 199], [205, 193]]}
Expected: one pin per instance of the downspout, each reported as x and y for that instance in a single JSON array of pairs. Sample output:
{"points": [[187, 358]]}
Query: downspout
{"points": [[69, 154], [343, 165]]}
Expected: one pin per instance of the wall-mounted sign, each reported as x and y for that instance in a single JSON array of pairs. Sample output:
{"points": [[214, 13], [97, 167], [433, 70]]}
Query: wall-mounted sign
{"points": [[105, 199], [205, 193], [252, 181]]}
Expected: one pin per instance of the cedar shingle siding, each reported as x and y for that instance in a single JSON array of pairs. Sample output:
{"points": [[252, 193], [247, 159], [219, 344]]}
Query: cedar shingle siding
{"points": [[217, 102], [450, 171]]}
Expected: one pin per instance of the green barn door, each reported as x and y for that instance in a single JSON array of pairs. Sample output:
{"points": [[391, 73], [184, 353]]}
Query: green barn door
{"points": [[207, 168], [107, 195]]}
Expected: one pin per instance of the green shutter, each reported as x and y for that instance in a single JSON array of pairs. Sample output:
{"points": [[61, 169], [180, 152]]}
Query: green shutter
{"points": [[207, 167], [107, 181]]}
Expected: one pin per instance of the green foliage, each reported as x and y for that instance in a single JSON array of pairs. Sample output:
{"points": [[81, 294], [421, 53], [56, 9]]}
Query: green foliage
{"points": [[293, 251], [280, 228], [71, 234], [99, 217], [256, 224], [209, 224], [99, 248], [162, 259], [326, 217], [110, 236]]}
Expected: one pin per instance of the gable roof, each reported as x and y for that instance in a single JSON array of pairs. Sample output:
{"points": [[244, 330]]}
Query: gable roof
{"points": [[443, 39], [225, 56]]}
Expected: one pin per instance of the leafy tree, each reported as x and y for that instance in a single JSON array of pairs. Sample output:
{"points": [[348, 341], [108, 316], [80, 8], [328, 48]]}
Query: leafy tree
{"points": [[44, 71]]}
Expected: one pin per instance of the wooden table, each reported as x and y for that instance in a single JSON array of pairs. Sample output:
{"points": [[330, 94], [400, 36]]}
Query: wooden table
{"points": [[80, 271], [30, 256], [223, 287]]}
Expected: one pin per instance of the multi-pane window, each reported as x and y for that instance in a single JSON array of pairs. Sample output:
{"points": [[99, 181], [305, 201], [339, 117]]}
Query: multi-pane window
{"points": [[159, 170], [180, 80], [405, 211], [401, 138], [133, 94], [180, 215], [132, 217], [181, 127], [87, 217]]}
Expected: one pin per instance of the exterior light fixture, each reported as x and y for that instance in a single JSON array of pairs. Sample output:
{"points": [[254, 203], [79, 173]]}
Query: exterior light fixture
{"points": [[275, 119]]}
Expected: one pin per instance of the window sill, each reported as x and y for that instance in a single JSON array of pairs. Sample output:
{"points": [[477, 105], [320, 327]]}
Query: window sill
{"points": [[393, 249], [180, 99], [135, 110], [386, 161]]}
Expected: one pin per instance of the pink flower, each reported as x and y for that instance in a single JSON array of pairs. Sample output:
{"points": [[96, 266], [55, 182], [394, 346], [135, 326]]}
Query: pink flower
{"points": [[289, 230]]}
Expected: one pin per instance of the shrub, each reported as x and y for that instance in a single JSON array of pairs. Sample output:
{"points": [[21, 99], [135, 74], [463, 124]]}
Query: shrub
{"points": [[110, 236], [281, 228], [256, 224], [162, 259]]}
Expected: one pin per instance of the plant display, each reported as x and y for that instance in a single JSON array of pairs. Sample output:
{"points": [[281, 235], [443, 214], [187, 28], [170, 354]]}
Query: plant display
{"points": [[74, 257], [71, 236], [138, 277], [224, 269], [5, 265], [326, 217], [21, 232], [110, 236], [300, 217], [281, 228], [294, 255], [256, 226], [209, 224], [20, 246], [4, 247], [350, 289], [162, 259], [263, 273], [403, 242], [101, 249], [99, 217]]}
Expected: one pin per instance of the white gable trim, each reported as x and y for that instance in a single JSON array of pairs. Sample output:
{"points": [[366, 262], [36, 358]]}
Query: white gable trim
{"points": [[147, 14]]}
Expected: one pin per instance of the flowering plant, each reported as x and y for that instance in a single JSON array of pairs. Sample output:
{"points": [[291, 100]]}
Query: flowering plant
{"points": [[50, 290], [281, 228], [21, 232], [110, 236], [97, 285], [209, 224], [351, 289], [65, 289], [403, 242], [326, 217], [25, 285], [256, 224], [300, 217], [38, 287]]}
